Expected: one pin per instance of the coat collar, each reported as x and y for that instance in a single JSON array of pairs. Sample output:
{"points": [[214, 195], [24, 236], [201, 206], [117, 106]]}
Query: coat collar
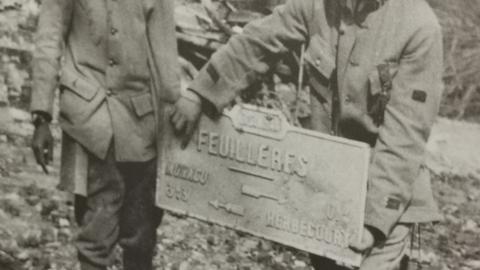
{"points": [[348, 40], [365, 8], [362, 6]]}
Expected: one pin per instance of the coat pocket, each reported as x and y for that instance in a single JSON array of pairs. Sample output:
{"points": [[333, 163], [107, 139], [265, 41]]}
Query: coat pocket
{"points": [[142, 104], [79, 99], [78, 85]]}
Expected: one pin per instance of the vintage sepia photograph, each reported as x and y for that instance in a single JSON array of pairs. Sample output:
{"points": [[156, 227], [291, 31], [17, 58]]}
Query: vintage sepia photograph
{"points": [[239, 135]]}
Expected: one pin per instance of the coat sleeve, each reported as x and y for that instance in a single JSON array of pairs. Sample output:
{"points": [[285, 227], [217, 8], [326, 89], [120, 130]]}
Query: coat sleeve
{"points": [[53, 26], [237, 65], [400, 149], [163, 50]]}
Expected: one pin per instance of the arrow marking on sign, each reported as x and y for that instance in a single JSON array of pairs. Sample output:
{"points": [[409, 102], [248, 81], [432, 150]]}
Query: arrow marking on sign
{"points": [[252, 192], [230, 208]]}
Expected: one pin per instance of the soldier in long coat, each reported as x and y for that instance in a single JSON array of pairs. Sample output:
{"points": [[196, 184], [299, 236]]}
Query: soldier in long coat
{"points": [[119, 66], [376, 74]]}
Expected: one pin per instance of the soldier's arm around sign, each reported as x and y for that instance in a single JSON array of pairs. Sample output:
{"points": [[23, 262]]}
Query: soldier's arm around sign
{"points": [[238, 63], [378, 65]]}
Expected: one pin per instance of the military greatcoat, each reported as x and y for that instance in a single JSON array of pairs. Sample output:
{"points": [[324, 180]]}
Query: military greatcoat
{"points": [[110, 79], [349, 54]]}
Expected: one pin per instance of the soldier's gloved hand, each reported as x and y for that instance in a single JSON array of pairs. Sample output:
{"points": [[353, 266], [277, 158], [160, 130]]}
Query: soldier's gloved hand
{"points": [[368, 241], [42, 141], [185, 115]]}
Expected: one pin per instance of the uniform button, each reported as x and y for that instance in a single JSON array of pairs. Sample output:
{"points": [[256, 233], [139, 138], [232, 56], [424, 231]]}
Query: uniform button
{"points": [[109, 92], [112, 63], [348, 99], [113, 31], [318, 62], [341, 29], [354, 63]]}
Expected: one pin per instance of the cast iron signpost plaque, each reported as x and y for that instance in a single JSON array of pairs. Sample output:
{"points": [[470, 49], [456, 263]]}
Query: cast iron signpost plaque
{"points": [[253, 172]]}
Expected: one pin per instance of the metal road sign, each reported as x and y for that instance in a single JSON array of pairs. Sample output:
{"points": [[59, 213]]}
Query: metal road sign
{"points": [[253, 172]]}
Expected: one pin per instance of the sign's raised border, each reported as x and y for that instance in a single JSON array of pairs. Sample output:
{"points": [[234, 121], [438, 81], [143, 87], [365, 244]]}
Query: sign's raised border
{"points": [[278, 133]]}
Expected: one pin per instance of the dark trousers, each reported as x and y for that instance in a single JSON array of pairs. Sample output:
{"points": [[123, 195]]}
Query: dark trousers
{"points": [[120, 209]]}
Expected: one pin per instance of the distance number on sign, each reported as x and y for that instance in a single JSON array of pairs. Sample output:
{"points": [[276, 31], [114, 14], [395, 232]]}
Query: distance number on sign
{"points": [[177, 192]]}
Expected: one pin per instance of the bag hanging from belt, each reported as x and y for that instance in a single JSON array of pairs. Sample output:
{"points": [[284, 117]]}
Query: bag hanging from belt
{"points": [[380, 100]]}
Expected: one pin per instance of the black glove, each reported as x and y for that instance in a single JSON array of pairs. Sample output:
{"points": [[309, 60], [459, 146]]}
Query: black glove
{"points": [[42, 141]]}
